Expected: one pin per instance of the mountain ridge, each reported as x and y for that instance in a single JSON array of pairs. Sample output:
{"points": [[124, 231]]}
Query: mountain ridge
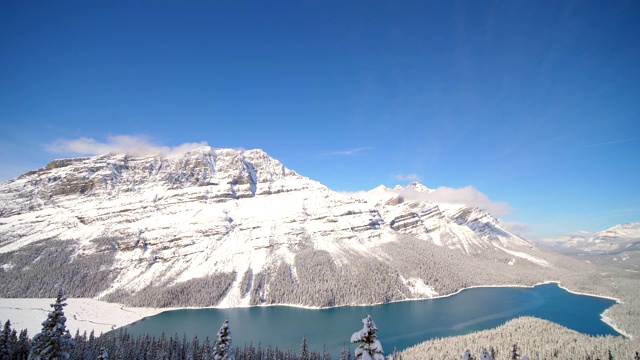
{"points": [[618, 238], [240, 222]]}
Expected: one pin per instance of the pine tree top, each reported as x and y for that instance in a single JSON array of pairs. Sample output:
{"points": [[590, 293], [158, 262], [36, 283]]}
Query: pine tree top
{"points": [[370, 347]]}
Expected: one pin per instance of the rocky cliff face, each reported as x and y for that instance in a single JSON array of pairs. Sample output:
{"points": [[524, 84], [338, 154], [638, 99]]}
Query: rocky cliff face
{"points": [[239, 217]]}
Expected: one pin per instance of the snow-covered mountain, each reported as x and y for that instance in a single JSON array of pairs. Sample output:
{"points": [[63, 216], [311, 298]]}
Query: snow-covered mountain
{"points": [[456, 226], [237, 226], [613, 240]]}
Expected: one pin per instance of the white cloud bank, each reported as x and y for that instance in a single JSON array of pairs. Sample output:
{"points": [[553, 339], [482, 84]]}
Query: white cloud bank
{"points": [[138, 145], [467, 195]]}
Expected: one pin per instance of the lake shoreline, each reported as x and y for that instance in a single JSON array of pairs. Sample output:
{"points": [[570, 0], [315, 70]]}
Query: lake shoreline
{"points": [[90, 314], [402, 324], [603, 317]]}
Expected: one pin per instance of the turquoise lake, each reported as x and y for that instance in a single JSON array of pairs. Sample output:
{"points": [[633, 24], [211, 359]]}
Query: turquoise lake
{"points": [[400, 324]]}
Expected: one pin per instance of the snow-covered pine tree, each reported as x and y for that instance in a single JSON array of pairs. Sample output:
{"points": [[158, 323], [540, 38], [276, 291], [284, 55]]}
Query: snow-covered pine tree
{"points": [[161, 346], [467, 355], [304, 349], [269, 355], [104, 355], [54, 341], [485, 355], [514, 352], [13, 340], [325, 355], [346, 352], [205, 350], [192, 353], [370, 347], [396, 354], [222, 348], [23, 345], [6, 347]]}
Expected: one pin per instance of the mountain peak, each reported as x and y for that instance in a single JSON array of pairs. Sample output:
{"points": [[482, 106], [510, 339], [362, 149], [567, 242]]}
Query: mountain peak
{"points": [[381, 188], [418, 187], [415, 186]]}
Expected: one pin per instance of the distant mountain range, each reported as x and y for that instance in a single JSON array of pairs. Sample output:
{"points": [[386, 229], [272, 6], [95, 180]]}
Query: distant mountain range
{"points": [[230, 227], [614, 240]]}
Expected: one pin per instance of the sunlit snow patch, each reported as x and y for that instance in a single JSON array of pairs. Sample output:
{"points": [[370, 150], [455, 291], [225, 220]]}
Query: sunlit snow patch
{"points": [[418, 287], [522, 255]]}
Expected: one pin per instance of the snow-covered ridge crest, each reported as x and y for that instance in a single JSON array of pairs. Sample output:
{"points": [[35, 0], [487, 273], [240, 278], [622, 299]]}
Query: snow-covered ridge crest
{"points": [[237, 221], [234, 173]]}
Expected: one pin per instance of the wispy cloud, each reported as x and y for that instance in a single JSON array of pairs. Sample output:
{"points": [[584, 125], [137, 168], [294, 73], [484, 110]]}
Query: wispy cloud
{"points": [[521, 229], [138, 145], [467, 195], [586, 146], [347, 152], [407, 177]]}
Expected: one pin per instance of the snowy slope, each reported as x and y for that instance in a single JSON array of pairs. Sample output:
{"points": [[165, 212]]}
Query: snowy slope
{"points": [[214, 211]]}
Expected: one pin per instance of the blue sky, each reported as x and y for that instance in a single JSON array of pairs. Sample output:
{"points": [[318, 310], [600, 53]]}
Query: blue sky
{"points": [[535, 104]]}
